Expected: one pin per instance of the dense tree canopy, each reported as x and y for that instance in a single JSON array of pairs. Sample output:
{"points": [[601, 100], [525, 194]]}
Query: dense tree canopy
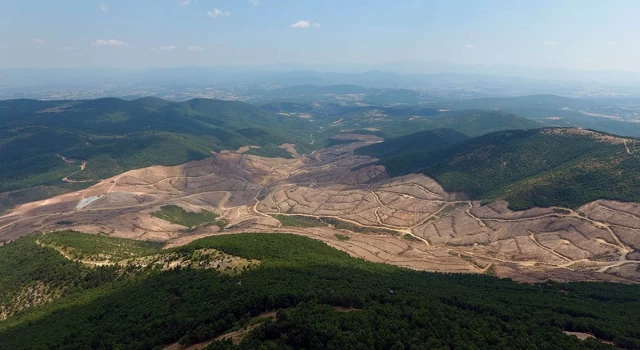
{"points": [[325, 299]]}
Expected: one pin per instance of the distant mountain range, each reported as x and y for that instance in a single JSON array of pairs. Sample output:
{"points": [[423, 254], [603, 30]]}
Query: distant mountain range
{"points": [[484, 81], [619, 116]]}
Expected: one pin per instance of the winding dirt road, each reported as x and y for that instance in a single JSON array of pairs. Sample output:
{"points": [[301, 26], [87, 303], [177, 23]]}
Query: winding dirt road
{"points": [[436, 230]]}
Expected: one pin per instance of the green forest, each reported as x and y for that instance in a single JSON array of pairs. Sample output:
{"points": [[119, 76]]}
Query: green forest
{"points": [[427, 140], [177, 215], [323, 299], [324, 221]]}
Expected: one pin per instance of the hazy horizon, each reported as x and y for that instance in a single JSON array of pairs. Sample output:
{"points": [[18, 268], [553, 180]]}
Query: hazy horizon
{"points": [[146, 35], [338, 67]]}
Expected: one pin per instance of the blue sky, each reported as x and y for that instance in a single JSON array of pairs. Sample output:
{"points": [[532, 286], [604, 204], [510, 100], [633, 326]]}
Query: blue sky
{"points": [[584, 34]]}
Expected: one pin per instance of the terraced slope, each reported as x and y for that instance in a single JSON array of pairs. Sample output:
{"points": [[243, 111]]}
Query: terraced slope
{"points": [[342, 199]]}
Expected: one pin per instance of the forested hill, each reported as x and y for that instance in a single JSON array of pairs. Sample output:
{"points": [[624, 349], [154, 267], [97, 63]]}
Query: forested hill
{"points": [[296, 293], [541, 167], [112, 116], [419, 141], [114, 135]]}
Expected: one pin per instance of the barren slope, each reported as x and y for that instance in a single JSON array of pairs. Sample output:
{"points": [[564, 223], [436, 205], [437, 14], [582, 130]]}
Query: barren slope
{"points": [[426, 227]]}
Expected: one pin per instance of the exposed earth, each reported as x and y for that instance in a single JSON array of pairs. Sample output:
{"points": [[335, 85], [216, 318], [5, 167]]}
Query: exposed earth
{"points": [[408, 221]]}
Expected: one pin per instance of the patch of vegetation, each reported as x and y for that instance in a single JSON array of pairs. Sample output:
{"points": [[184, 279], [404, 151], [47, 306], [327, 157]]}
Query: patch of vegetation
{"points": [[95, 247], [342, 237], [344, 225], [562, 211], [303, 279], [177, 215], [410, 238], [308, 221], [529, 168], [299, 221], [221, 223]]}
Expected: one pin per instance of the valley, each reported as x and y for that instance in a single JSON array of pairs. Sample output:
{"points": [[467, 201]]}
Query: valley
{"points": [[408, 221]]}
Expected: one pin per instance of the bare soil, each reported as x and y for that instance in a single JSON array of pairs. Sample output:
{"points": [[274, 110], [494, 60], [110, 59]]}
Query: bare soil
{"points": [[599, 241]]}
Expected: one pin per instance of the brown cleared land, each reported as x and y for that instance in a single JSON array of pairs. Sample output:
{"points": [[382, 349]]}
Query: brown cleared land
{"points": [[436, 230]]}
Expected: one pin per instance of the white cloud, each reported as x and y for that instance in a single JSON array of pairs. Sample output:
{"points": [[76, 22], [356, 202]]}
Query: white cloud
{"points": [[104, 8], [469, 46], [612, 43], [184, 2], [254, 2], [110, 42], [550, 42], [305, 24], [301, 25], [195, 49], [38, 41], [218, 13]]}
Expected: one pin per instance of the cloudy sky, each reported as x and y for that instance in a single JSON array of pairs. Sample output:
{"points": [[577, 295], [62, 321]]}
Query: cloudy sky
{"points": [[582, 34]]}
